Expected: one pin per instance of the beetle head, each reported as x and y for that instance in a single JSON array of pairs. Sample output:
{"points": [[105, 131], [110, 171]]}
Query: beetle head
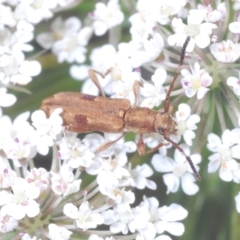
{"points": [[165, 122]]}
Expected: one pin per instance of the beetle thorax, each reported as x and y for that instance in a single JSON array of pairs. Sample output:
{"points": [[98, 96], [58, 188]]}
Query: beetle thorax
{"points": [[164, 121]]}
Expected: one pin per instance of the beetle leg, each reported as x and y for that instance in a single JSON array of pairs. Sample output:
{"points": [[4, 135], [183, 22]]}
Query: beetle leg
{"points": [[142, 148], [94, 78], [166, 137], [167, 100], [108, 144]]}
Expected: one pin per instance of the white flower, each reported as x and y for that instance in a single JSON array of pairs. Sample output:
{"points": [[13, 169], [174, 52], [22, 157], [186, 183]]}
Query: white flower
{"points": [[20, 151], [154, 93], [18, 71], [235, 84], [226, 51], [139, 177], [106, 16], [7, 223], [7, 175], [225, 151], [141, 27], [58, 30], [47, 129], [39, 177], [124, 219], [21, 37], [213, 15], [115, 164], [180, 171], [75, 152], [58, 233], [109, 186], [196, 82], [160, 11], [6, 17], [70, 48], [21, 202], [186, 123], [124, 88], [63, 183], [162, 219], [35, 11], [234, 27], [137, 53], [11, 133], [84, 217], [66, 39], [199, 32]]}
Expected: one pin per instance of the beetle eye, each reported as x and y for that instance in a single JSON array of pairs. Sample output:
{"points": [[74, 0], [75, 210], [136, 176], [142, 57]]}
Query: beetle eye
{"points": [[160, 130]]}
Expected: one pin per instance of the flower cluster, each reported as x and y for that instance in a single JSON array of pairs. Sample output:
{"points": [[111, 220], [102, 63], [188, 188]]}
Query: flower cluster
{"points": [[91, 182]]}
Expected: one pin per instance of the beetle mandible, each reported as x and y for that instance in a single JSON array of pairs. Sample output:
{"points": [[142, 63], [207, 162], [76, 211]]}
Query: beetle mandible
{"points": [[86, 113]]}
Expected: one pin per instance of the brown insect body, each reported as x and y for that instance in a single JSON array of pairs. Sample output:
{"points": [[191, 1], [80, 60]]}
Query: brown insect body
{"points": [[87, 113]]}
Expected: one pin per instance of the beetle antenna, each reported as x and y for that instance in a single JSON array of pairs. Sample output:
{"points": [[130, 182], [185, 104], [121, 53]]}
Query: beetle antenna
{"points": [[182, 56], [198, 177]]}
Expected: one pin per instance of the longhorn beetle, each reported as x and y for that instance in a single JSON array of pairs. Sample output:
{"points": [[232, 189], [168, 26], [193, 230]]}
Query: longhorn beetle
{"points": [[87, 113]]}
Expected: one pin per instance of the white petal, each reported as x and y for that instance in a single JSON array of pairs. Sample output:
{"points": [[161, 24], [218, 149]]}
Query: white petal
{"points": [[116, 227], [100, 28], [192, 120], [188, 136], [45, 40], [146, 171], [21, 79], [162, 164], [175, 228], [213, 142], [202, 40], [214, 163], [188, 184], [5, 197], [172, 182], [32, 209], [163, 237], [79, 72], [72, 24], [7, 100], [234, 27], [226, 137], [16, 211], [175, 213], [71, 211], [149, 232], [232, 81], [147, 102], [151, 184], [235, 150], [201, 92], [225, 174], [30, 68], [183, 112]]}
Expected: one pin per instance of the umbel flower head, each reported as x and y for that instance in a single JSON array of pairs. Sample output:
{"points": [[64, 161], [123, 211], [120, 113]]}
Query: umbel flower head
{"points": [[179, 59]]}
